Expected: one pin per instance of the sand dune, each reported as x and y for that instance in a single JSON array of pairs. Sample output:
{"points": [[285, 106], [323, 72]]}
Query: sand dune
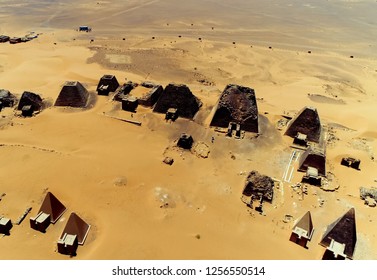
{"points": [[111, 172]]}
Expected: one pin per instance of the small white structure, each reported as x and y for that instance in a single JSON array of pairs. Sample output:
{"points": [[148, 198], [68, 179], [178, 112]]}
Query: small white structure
{"points": [[40, 222]]}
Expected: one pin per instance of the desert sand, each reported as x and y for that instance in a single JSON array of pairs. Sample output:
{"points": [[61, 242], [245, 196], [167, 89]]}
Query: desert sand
{"points": [[292, 53]]}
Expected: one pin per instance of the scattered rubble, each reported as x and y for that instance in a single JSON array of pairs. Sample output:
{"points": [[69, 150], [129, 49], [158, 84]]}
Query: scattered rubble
{"points": [[288, 218], [168, 160], [331, 137], [300, 189], [259, 186], [364, 192], [321, 202], [185, 141], [329, 184], [178, 96], [201, 149], [7, 99], [282, 123], [369, 196], [370, 201], [164, 198]]}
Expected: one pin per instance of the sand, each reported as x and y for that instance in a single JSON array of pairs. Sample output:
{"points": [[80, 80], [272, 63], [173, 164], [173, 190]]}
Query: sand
{"points": [[111, 173]]}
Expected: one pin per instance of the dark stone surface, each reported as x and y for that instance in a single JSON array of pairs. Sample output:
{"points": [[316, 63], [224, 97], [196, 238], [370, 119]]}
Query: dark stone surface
{"points": [[129, 104], [73, 94], [237, 104], [306, 122], [343, 231], [32, 99], [7, 99], [168, 160], [4, 38], [365, 192], [185, 141], [314, 158], [179, 97], [110, 81], [259, 186]]}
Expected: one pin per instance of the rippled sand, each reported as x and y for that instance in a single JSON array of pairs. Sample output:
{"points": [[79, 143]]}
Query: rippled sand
{"points": [[293, 53]]}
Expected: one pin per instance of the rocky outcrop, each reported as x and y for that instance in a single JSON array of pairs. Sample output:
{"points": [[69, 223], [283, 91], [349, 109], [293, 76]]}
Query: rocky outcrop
{"points": [[369, 196], [73, 94]]}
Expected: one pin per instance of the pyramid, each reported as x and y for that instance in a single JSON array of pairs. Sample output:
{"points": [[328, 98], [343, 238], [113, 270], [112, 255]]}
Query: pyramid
{"points": [[260, 186], [73, 94], [179, 97], [110, 81], [313, 157], [76, 226], [185, 141], [237, 104], [306, 224], [51, 205], [6, 98], [343, 231], [306, 122], [32, 99]]}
